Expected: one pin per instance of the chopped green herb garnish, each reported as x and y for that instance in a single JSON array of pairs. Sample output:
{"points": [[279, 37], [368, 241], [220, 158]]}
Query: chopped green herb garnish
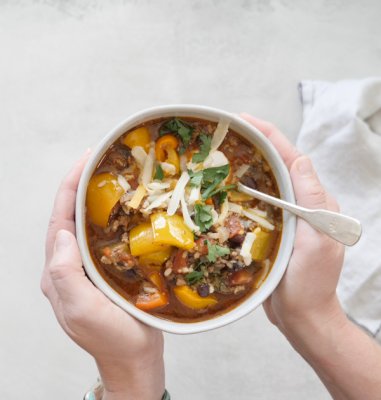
{"points": [[204, 148], [201, 263], [222, 189], [159, 174], [193, 277], [181, 129], [215, 251], [212, 177], [195, 178], [220, 197], [203, 216]]}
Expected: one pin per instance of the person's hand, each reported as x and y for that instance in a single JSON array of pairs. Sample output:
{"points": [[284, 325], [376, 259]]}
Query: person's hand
{"points": [[128, 353], [308, 288]]}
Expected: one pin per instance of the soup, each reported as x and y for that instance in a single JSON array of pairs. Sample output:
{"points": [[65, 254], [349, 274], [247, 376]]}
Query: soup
{"points": [[166, 226]]}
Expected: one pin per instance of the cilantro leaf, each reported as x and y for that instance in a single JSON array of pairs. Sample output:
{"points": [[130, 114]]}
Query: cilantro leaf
{"points": [[222, 189], [193, 277], [212, 177], [214, 251], [203, 216], [195, 178], [159, 174], [179, 127], [204, 148]]}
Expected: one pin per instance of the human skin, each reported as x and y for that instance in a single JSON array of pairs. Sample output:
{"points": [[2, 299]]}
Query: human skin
{"points": [[305, 306], [129, 354]]}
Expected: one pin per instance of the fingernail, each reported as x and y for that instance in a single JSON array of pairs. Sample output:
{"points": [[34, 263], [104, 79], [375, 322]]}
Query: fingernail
{"points": [[304, 166], [62, 239]]}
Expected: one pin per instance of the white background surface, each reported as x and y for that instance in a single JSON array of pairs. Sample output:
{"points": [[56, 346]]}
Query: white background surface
{"points": [[69, 71]]}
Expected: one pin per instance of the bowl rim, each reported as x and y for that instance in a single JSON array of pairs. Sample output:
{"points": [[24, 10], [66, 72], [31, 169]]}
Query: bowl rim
{"points": [[284, 183]]}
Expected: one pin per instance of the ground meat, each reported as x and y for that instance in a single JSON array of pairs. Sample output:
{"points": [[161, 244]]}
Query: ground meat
{"points": [[200, 246], [118, 158], [118, 256], [236, 150], [233, 223]]}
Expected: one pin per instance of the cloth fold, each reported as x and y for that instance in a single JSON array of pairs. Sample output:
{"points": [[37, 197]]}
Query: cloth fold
{"points": [[341, 132]]}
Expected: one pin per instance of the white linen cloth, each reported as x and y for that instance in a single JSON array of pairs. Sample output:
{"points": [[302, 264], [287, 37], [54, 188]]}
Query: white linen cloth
{"points": [[341, 132]]}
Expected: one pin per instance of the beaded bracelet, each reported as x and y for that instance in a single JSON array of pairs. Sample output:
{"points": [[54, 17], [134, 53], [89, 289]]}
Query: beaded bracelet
{"points": [[96, 393]]}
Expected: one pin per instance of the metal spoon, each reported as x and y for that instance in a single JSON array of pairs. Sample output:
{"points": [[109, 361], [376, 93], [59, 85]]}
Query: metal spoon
{"points": [[342, 228]]}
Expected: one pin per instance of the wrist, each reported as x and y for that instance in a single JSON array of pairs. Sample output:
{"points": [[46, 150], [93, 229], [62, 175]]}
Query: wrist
{"points": [[306, 330], [140, 380]]}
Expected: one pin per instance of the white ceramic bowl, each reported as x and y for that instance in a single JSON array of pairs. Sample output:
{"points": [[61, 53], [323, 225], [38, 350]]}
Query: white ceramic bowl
{"points": [[286, 191]]}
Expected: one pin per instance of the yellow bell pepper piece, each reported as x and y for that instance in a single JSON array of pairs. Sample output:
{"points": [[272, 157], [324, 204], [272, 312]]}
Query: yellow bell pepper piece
{"points": [[165, 150], [141, 240], [171, 230], [103, 192], [138, 137], [192, 299], [138, 196], [238, 196], [261, 247], [157, 257]]}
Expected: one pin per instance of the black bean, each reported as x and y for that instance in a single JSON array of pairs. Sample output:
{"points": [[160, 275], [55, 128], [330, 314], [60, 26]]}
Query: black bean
{"points": [[237, 240], [249, 181], [203, 290], [237, 266]]}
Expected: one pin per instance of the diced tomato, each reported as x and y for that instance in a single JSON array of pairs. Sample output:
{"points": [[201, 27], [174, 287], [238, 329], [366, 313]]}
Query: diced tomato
{"points": [[242, 277], [149, 301], [201, 246], [180, 260], [234, 225]]}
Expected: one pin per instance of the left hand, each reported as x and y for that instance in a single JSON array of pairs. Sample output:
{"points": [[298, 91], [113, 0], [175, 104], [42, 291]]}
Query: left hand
{"points": [[129, 354]]}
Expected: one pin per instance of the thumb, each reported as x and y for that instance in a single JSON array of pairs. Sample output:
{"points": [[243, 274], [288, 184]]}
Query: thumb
{"points": [[66, 272], [308, 190]]}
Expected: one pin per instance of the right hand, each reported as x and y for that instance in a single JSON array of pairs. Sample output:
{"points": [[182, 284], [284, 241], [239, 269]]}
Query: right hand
{"points": [[308, 288], [128, 353]]}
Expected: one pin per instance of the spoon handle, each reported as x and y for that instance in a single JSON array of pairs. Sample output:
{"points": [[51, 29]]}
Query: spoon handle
{"points": [[342, 228]]}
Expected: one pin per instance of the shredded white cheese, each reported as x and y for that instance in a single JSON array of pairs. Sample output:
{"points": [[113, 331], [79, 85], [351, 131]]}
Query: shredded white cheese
{"points": [[137, 197], [236, 208], [246, 248], [177, 193], [156, 187], [258, 219], [123, 183], [215, 159], [242, 170], [214, 214], [257, 211], [219, 134], [224, 212], [146, 174], [140, 155], [194, 195], [186, 215], [158, 201], [168, 168]]}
